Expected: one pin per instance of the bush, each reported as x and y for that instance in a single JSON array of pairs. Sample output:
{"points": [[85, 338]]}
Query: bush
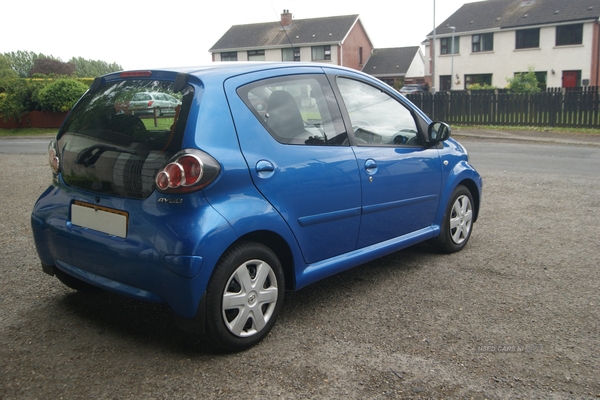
{"points": [[18, 96], [61, 95], [479, 86], [524, 83]]}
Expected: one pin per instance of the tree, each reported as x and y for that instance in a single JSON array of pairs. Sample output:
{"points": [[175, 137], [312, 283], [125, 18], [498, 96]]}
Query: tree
{"points": [[6, 72], [524, 82], [22, 61], [49, 66], [93, 68]]}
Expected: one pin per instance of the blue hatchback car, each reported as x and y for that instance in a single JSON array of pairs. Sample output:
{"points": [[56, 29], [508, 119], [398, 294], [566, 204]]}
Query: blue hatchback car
{"points": [[266, 178]]}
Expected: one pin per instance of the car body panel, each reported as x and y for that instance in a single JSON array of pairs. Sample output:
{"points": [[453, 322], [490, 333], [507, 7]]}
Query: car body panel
{"points": [[289, 176], [400, 191]]}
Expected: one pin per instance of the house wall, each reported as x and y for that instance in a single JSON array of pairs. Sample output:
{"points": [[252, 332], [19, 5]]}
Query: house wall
{"points": [[417, 67], [274, 55], [356, 39], [505, 60], [595, 70]]}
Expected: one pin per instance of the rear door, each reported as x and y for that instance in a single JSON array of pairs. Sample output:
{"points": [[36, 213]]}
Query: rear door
{"points": [[293, 139]]}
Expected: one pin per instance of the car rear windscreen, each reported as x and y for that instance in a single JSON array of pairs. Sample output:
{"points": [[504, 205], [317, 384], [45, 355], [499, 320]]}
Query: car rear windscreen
{"points": [[117, 137]]}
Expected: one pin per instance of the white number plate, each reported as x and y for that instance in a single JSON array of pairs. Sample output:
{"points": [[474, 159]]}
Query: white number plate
{"points": [[102, 219]]}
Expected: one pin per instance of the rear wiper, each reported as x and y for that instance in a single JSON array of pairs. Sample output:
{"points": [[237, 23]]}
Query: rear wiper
{"points": [[90, 155]]}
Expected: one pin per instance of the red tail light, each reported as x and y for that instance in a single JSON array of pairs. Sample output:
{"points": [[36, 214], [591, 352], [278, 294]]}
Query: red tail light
{"points": [[53, 157], [188, 171], [150, 103]]}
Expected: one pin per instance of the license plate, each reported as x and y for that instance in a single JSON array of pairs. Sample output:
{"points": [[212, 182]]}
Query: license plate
{"points": [[102, 219]]}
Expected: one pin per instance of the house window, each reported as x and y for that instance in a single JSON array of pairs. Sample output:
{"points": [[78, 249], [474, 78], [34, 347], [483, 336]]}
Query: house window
{"points": [[229, 56], [569, 34], [481, 79], [290, 54], [483, 42], [446, 45], [528, 38], [256, 55], [321, 53]]}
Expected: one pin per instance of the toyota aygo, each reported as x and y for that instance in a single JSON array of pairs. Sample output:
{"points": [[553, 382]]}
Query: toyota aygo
{"points": [[266, 177]]}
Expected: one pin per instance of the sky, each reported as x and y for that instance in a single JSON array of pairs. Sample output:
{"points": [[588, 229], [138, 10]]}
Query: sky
{"points": [[153, 34]]}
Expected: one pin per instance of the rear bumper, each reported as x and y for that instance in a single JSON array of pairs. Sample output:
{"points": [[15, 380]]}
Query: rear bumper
{"points": [[159, 261]]}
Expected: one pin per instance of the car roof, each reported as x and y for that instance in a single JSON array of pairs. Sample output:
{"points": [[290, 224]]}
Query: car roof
{"points": [[223, 70]]}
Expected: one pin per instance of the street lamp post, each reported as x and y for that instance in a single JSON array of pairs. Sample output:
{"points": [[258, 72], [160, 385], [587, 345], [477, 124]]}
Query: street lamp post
{"points": [[452, 65], [432, 53]]}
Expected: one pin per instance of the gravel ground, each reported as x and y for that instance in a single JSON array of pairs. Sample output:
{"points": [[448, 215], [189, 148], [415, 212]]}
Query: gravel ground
{"points": [[514, 315]]}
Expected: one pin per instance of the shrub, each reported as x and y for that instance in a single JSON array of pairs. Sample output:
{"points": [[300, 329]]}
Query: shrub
{"points": [[18, 97], [524, 83], [61, 95], [479, 86]]}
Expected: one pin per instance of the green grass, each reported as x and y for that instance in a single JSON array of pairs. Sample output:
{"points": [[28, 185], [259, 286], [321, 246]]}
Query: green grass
{"points": [[163, 124], [28, 131], [582, 131]]}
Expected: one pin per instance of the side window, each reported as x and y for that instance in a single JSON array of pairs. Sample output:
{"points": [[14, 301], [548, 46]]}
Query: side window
{"points": [[296, 110], [377, 118]]}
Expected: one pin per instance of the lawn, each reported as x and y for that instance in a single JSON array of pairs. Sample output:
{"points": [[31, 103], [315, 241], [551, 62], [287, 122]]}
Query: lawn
{"points": [[28, 131]]}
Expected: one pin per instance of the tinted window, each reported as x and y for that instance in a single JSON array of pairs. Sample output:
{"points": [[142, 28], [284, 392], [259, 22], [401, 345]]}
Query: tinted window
{"points": [[296, 110], [108, 147], [377, 118]]}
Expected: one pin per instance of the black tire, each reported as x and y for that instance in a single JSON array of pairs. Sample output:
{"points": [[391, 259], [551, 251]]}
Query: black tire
{"points": [[457, 223], [74, 283], [249, 276]]}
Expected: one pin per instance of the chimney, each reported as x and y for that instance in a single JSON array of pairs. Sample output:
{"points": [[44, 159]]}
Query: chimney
{"points": [[286, 19]]}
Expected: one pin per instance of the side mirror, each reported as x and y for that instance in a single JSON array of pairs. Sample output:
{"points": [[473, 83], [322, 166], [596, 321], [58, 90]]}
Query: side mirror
{"points": [[438, 132]]}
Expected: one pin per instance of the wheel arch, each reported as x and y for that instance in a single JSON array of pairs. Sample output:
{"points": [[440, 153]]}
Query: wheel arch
{"points": [[279, 246], [475, 193], [461, 174]]}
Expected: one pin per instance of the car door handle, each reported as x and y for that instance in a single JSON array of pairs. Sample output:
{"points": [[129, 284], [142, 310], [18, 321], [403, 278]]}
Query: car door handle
{"points": [[371, 166], [264, 169]]}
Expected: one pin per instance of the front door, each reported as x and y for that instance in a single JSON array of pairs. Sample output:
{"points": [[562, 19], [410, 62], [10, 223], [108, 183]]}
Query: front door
{"points": [[400, 178], [570, 79]]}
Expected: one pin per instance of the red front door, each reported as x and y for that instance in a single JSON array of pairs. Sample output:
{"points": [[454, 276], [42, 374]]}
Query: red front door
{"points": [[569, 79]]}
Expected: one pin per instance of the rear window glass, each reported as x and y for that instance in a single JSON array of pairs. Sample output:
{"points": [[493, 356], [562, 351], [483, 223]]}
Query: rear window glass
{"points": [[117, 137], [297, 109]]}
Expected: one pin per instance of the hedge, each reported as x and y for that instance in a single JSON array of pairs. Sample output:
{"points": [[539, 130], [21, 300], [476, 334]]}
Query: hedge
{"points": [[21, 95]]}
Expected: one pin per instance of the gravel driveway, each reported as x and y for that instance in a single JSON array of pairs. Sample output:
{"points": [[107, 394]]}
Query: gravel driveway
{"points": [[515, 314]]}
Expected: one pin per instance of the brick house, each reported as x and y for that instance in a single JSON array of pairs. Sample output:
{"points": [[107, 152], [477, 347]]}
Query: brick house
{"points": [[340, 40]]}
